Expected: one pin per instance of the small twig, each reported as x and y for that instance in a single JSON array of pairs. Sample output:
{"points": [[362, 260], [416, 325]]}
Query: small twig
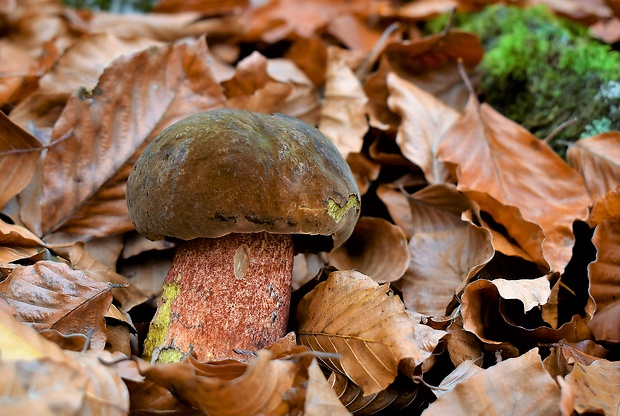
{"points": [[450, 23], [364, 68], [559, 128], [465, 77], [89, 337], [36, 149], [421, 381]]}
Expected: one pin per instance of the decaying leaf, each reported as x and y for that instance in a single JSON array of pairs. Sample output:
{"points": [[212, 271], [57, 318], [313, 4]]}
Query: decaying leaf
{"points": [[50, 295], [351, 315], [532, 292], [343, 119], [17, 243], [376, 248], [424, 120], [105, 128], [594, 387], [19, 154], [517, 386], [597, 159], [493, 155], [605, 270]]}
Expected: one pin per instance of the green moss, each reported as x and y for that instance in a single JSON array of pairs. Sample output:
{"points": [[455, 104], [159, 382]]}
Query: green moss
{"points": [[337, 212], [160, 323], [542, 71]]}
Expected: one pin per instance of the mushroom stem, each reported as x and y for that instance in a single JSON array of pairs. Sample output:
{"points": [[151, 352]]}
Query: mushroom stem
{"points": [[223, 295]]}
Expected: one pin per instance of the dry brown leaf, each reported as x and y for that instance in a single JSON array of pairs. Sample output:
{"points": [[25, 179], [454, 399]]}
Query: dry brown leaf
{"points": [[351, 315], [595, 387], [206, 7], [463, 346], [321, 399], [150, 398], [597, 159], [424, 121], [310, 55], [271, 86], [353, 32], [445, 250], [434, 51], [343, 118], [19, 154], [393, 398], [127, 296], [19, 342], [606, 30], [52, 295], [532, 292], [17, 70], [501, 165], [269, 384], [487, 315], [43, 387], [604, 324], [606, 207], [79, 67], [83, 177], [163, 27], [462, 372], [376, 248], [517, 386], [604, 272], [17, 242], [289, 19]]}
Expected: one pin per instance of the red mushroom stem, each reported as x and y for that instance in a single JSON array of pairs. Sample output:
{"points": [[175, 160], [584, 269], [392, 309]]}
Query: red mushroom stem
{"points": [[223, 296]]}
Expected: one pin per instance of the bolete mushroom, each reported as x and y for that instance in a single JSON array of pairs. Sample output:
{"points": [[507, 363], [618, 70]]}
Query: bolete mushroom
{"points": [[241, 193]]}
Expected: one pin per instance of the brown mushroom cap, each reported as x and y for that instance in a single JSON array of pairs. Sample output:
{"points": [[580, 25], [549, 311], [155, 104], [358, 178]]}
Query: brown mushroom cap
{"points": [[233, 171]]}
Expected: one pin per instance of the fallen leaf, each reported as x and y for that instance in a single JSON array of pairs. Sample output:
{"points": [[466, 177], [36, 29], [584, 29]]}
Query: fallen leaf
{"points": [[19, 154], [462, 372], [84, 175], [396, 397], [321, 399], [50, 295], [424, 121], [205, 7], [376, 248], [501, 390], [604, 324], [597, 159], [532, 292], [351, 315], [604, 272], [343, 118], [607, 207], [445, 250], [500, 165], [17, 243], [595, 387]]}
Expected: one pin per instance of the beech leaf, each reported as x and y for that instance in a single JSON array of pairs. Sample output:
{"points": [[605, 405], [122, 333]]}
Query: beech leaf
{"points": [[517, 386], [594, 387], [532, 292], [100, 133], [343, 119], [597, 159], [362, 321], [50, 295], [19, 154], [500, 164]]}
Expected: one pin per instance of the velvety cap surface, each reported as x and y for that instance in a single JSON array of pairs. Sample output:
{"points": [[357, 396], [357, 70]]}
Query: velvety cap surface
{"points": [[233, 171]]}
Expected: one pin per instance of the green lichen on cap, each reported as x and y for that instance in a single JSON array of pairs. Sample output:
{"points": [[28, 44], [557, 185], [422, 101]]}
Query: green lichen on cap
{"points": [[337, 212], [158, 328]]}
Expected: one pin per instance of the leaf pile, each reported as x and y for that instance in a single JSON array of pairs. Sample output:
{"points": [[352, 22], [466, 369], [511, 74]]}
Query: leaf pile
{"points": [[482, 277]]}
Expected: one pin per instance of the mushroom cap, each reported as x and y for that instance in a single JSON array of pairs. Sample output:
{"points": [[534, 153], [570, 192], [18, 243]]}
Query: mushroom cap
{"points": [[234, 171]]}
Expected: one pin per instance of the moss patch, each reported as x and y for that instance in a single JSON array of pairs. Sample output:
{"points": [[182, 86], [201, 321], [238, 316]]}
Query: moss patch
{"points": [[337, 212], [541, 71], [158, 329]]}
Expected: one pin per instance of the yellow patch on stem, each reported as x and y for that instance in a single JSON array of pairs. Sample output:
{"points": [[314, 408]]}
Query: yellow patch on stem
{"points": [[158, 329]]}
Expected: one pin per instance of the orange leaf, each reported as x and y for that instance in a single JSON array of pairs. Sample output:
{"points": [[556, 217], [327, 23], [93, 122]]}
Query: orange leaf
{"points": [[501, 165]]}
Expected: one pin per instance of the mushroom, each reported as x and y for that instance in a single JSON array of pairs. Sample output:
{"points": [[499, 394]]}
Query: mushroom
{"points": [[241, 193]]}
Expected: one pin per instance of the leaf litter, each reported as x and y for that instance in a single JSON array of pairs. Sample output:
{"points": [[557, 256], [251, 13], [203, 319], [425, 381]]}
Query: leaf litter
{"points": [[465, 287]]}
